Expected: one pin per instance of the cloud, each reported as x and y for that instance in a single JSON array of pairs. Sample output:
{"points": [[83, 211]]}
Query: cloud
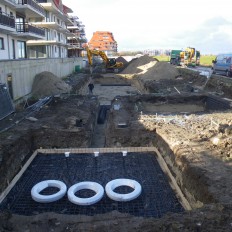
{"points": [[212, 37], [159, 24]]}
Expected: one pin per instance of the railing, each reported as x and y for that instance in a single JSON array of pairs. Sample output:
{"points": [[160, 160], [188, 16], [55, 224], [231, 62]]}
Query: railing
{"points": [[78, 45], [13, 1], [28, 28], [7, 20], [42, 1], [33, 4]]}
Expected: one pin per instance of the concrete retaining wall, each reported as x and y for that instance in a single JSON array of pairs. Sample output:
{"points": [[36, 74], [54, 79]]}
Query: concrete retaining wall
{"points": [[23, 72]]}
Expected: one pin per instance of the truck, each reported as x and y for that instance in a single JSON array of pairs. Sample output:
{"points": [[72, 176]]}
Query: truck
{"points": [[175, 57], [188, 57]]}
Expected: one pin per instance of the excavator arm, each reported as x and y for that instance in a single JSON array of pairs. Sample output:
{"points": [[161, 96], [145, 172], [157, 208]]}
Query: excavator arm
{"points": [[109, 63]]}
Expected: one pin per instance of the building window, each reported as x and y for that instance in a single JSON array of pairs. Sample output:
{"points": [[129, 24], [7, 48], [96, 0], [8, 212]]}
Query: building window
{"points": [[1, 43], [21, 49], [37, 52]]}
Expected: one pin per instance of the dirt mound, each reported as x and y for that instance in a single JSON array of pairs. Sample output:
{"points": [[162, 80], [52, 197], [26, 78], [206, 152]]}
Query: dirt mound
{"points": [[47, 84], [121, 59], [161, 70], [133, 65]]}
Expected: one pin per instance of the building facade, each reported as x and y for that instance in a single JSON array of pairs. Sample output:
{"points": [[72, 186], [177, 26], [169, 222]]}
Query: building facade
{"points": [[15, 29], [38, 29], [103, 41], [34, 37], [77, 38]]}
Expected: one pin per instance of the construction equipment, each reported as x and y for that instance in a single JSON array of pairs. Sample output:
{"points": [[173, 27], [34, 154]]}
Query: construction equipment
{"points": [[175, 57], [110, 63], [191, 57], [188, 57]]}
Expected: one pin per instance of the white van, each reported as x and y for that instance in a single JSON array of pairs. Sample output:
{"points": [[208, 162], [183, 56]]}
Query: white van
{"points": [[223, 65]]}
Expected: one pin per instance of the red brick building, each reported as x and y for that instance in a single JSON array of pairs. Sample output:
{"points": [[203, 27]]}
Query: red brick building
{"points": [[103, 41]]}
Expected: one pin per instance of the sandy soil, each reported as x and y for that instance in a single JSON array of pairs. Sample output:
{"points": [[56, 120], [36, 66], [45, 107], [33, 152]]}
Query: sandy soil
{"points": [[196, 147]]}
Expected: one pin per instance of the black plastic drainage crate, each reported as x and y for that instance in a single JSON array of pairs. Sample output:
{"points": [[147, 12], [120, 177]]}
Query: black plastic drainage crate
{"points": [[217, 103], [157, 197]]}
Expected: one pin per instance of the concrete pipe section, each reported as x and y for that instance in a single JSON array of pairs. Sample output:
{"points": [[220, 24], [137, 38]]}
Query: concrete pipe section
{"points": [[97, 188], [110, 186], [35, 191]]}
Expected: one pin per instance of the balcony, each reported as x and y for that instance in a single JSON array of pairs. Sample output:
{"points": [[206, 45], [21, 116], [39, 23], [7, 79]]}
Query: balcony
{"points": [[7, 23], [74, 46], [10, 3], [52, 25], [30, 8], [28, 31], [45, 42], [51, 7]]}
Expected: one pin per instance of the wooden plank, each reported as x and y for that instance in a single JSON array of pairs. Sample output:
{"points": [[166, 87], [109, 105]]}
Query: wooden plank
{"points": [[17, 177], [92, 150], [173, 183]]}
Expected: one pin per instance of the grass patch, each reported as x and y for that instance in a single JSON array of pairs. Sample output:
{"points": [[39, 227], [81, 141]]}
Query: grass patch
{"points": [[162, 58], [205, 60]]}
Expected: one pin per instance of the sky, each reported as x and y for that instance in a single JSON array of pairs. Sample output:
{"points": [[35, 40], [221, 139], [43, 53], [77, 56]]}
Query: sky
{"points": [[139, 25]]}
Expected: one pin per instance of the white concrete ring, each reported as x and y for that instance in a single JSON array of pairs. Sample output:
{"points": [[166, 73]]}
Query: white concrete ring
{"points": [[110, 186], [85, 185], [35, 191]]}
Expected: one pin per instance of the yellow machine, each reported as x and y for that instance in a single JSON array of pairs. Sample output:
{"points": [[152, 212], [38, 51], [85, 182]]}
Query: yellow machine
{"points": [[190, 57], [110, 63]]}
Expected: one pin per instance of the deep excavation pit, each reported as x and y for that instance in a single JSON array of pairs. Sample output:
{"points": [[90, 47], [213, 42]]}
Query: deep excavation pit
{"points": [[190, 136], [135, 109]]}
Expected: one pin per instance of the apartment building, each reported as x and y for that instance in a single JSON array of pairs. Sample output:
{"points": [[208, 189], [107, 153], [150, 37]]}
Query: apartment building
{"points": [[15, 29], [38, 29], [54, 45], [77, 39], [103, 41]]}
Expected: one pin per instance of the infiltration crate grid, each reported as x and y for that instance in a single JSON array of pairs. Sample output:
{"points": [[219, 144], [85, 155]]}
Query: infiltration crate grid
{"points": [[157, 197]]}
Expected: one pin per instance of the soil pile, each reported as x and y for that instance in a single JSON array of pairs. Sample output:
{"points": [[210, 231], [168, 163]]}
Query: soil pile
{"points": [[161, 70], [121, 59], [47, 84], [133, 65]]}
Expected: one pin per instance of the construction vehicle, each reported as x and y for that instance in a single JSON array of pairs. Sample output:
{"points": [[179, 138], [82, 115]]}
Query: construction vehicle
{"points": [[110, 63], [175, 57], [188, 57], [191, 57]]}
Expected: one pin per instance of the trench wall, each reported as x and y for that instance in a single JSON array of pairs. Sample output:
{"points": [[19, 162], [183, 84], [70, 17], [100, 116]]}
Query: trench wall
{"points": [[19, 74], [192, 183]]}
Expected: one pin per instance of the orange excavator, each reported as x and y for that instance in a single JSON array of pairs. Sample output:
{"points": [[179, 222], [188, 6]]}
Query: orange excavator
{"points": [[110, 63]]}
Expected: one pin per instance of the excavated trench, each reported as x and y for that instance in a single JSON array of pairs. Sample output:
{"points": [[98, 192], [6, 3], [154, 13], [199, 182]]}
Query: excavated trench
{"points": [[122, 129], [171, 179]]}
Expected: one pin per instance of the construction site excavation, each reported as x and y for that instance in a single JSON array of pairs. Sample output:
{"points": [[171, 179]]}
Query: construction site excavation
{"points": [[150, 149]]}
